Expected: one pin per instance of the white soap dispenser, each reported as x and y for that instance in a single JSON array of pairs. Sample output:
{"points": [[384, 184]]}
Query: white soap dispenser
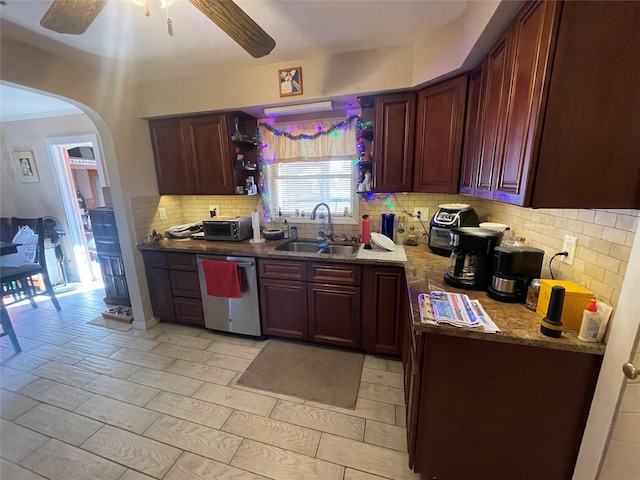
{"points": [[591, 321]]}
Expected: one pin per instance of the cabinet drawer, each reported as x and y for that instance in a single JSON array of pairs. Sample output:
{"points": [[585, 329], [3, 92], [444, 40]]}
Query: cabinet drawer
{"points": [[107, 246], [182, 261], [185, 284], [102, 217], [155, 259], [283, 270], [335, 273], [189, 310], [104, 230]]}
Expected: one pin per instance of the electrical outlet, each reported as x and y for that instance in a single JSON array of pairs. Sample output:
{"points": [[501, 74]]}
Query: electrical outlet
{"points": [[569, 246], [214, 208], [162, 213], [424, 214]]}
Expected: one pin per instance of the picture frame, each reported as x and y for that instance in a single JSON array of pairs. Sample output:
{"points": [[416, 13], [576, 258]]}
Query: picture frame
{"points": [[290, 81], [26, 166]]}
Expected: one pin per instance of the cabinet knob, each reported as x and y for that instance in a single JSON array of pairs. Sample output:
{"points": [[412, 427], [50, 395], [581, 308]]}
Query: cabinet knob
{"points": [[630, 371]]}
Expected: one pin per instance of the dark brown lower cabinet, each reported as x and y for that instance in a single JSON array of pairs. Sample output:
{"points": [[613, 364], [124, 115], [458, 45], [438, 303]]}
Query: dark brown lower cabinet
{"points": [[334, 314], [493, 410], [384, 296], [284, 308], [159, 284]]}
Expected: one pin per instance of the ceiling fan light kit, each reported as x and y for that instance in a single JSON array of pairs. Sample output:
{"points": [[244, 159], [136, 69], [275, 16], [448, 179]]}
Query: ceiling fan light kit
{"points": [[324, 106], [75, 16]]}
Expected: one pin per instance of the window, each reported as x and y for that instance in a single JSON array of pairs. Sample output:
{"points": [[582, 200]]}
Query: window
{"points": [[302, 185]]}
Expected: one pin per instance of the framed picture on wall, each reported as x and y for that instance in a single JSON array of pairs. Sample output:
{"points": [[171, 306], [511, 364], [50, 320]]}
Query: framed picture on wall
{"points": [[26, 166], [290, 81]]}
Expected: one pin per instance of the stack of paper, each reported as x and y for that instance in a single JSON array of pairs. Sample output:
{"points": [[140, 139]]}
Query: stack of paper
{"points": [[455, 309]]}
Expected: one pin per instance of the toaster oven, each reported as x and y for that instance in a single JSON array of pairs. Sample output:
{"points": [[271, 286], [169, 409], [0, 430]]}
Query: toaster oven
{"points": [[230, 229]]}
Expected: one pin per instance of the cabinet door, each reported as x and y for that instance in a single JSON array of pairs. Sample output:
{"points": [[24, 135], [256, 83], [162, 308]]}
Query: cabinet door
{"points": [[494, 106], [531, 42], [185, 284], [189, 311], [334, 314], [283, 308], [160, 293], [439, 126], [172, 166], [383, 309], [473, 133], [208, 145], [394, 140]]}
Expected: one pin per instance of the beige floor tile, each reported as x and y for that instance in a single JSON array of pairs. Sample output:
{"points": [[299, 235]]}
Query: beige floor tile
{"points": [[319, 419], [401, 416], [58, 461], [236, 399], [18, 442], [168, 382], [142, 359], [395, 366], [229, 362], [281, 464], [279, 396], [148, 334], [273, 432], [107, 366], [133, 475], [375, 363], [236, 350], [198, 439], [87, 331], [364, 457], [136, 452], [369, 409], [24, 361], [351, 474], [67, 374], [57, 423], [92, 347], [208, 373], [12, 405], [133, 343], [183, 353], [175, 328], [218, 337], [194, 467], [391, 379], [109, 324], [54, 393], [11, 471], [117, 413], [46, 337], [12, 379], [59, 354], [185, 340], [122, 390], [385, 435], [26, 344], [191, 409], [381, 393]]}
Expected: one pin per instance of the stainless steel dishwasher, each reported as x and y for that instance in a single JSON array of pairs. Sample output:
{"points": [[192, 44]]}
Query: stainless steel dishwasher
{"points": [[237, 315]]}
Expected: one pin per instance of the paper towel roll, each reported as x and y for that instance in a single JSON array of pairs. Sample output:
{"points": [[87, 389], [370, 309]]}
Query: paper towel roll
{"points": [[255, 224]]}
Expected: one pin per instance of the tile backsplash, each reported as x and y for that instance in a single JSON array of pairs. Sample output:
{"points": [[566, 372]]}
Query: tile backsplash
{"points": [[604, 236]]}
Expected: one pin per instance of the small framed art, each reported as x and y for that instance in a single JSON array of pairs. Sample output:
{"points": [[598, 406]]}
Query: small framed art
{"points": [[26, 167], [290, 81]]}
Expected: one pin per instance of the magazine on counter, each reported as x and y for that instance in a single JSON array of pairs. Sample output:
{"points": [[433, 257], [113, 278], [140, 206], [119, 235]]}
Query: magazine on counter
{"points": [[455, 309]]}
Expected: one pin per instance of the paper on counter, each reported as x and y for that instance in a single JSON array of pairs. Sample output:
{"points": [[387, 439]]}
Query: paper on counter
{"points": [[377, 253]]}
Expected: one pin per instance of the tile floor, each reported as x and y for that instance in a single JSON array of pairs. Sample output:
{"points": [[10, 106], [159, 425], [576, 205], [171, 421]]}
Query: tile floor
{"points": [[86, 401]]}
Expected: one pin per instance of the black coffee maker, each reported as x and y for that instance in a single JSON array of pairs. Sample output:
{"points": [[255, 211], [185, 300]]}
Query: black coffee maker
{"points": [[513, 270], [470, 264]]}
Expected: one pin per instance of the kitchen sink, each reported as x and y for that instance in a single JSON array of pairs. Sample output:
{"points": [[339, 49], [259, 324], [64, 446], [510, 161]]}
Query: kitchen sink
{"points": [[314, 246]]}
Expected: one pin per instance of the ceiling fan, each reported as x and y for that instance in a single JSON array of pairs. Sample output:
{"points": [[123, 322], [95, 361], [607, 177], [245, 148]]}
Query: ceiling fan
{"points": [[75, 16]]}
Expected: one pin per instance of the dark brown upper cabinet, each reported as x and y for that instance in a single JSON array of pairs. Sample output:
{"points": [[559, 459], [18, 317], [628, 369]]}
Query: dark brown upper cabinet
{"points": [[195, 155], [439, 129], [556, 124], [394, 141]]}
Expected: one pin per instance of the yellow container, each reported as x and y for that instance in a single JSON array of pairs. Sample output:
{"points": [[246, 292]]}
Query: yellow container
{"points": [[576, 298]]}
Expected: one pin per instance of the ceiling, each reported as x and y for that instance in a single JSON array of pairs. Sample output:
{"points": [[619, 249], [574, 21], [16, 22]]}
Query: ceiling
{"points": [[122, 35]]}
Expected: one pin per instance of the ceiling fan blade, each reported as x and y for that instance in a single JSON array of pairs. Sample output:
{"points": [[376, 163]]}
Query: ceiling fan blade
{"points": [[238, 25], [72, 16]]}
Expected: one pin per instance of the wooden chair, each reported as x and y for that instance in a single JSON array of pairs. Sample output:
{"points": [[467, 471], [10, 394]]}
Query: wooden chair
{"points": [[17, 282]]}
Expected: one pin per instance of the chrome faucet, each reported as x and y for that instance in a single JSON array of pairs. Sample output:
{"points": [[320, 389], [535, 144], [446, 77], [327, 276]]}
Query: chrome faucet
{"points": [[328, 234]]}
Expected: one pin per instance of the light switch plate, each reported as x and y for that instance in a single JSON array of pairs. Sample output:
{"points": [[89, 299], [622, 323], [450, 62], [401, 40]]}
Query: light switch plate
{"points": [[424, 214], [162, 213], [569, 246]]}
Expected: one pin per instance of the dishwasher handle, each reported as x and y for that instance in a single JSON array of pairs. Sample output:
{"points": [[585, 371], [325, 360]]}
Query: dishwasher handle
{"points": [[245, 265], [241, 264]]}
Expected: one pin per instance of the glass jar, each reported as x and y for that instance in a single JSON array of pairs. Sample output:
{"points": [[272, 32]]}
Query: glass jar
{"points": [[533, 292]]}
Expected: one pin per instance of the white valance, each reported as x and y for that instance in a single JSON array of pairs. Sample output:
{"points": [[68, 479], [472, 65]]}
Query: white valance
{"points": [[337, 145]]}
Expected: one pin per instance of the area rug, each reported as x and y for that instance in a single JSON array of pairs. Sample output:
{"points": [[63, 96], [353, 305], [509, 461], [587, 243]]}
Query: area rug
{"points": [[113, 324], [320, 374]]}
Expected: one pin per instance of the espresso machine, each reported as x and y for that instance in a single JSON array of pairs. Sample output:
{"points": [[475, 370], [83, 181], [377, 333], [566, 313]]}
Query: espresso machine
{"points": [[471, 260], [513, 270]]}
